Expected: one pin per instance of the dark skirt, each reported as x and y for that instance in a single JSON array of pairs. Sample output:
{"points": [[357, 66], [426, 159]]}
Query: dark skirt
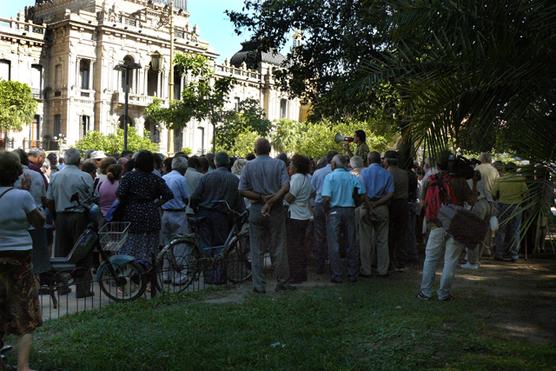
{"points": [[142, 246]]}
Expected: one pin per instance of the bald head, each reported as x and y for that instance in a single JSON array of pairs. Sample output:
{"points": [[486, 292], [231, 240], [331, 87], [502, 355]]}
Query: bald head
{"points": [[262, 147]]}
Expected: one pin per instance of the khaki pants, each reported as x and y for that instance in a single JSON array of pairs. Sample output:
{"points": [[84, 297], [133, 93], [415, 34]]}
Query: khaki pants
{"points": [[373, 241], [483, 210]]}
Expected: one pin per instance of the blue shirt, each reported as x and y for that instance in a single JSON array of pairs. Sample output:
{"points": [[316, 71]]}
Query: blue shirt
{"points": [[318, 180], [378, 181], [178, 185], [339, 185]]}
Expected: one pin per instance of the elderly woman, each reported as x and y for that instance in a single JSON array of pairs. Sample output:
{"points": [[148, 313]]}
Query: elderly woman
{"points": [[141, 193], [299, 214], [19, 303]]}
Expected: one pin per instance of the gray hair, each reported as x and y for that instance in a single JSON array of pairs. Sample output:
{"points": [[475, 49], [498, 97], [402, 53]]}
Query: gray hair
{"points": [[35, 152], [72, 157], [356, 162], [179, 163], [221, 159], [340, 161], [485, 158], [238, 166]]}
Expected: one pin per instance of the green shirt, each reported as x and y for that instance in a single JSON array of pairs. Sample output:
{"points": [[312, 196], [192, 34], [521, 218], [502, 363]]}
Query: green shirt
{"points": [[362, 150], [509, 189]]}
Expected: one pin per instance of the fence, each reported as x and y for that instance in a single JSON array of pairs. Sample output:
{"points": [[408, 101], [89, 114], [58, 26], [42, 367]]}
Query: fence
{"points": [[62, 300]]}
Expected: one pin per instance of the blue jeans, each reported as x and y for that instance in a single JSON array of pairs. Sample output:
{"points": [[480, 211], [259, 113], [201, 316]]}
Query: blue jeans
{"points": [[508, 235], [339, 218], [440, 245]]}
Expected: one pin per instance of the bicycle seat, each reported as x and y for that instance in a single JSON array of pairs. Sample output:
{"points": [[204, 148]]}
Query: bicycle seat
{"points": [[196, 220]]}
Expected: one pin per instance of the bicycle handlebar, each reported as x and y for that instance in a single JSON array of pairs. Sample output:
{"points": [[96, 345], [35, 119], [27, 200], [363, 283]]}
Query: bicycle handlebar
{"points": [[228, 208]]}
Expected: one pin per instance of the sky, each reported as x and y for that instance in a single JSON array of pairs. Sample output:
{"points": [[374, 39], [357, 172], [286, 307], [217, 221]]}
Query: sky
{"points": [[214, 25]]}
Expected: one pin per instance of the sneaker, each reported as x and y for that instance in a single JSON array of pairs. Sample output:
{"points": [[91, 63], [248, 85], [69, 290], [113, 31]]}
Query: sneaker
{"points": [[448, 298], [470, 266], [422, 296]]}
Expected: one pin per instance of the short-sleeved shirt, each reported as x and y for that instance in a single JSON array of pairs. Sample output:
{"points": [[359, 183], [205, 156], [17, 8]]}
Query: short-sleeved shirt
{"points": [[318, 180], [489, 174], [178, 185], [401, 183], [65, 183], [264, 175], [339, 185], [14, 207], [510, 189], [219, 185], [38, 189], [301, 189], [378, 181]]}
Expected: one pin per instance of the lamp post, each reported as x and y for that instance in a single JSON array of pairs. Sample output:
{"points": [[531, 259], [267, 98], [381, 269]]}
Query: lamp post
{"points": [[125, 67]]}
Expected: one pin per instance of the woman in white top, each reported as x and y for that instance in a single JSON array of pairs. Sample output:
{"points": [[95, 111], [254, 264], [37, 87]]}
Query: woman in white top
{"points": [[299, 214], [20, 312]]}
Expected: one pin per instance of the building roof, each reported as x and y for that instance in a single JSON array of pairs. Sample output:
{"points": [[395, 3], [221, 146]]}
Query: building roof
{"points": [[252, 56]]}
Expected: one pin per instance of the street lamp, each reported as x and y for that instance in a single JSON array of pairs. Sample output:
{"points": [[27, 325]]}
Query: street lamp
{"points": [[125, 67]]}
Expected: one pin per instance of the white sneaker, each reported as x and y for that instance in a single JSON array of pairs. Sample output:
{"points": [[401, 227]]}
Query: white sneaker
{"points": [[470, 266]]}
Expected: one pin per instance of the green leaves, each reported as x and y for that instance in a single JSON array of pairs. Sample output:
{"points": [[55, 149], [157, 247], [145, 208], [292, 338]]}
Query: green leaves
{"points": [[17, 105], [114, 143]]}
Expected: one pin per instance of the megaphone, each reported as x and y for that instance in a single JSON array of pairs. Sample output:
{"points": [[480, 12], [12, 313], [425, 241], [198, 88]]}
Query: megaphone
{"points": [[342, 138]]}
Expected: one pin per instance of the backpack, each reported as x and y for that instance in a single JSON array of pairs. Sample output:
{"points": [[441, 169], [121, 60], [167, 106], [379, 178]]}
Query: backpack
{"points": [[439, 192]]}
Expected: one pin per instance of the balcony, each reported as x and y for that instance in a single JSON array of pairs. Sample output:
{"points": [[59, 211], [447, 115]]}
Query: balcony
{"points": [[138, 100]]}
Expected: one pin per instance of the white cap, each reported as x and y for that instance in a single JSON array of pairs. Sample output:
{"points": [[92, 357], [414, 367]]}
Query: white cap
{"points": [[98, 155]]}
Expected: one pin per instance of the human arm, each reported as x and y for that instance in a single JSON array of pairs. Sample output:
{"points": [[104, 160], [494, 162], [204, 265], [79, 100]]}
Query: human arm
{"points": [[34, 216]]}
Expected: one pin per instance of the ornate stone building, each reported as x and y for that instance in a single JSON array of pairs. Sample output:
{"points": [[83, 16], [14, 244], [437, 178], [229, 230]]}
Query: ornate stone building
{"points": [[67, 50]]}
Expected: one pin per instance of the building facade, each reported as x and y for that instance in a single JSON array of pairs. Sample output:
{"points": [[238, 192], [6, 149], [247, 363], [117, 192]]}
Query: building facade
{"points": [[69, 50]]}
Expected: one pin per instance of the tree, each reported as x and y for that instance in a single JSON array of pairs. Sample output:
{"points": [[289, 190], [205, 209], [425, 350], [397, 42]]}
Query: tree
{"points": [[249, 117], [113, 143], [203, 99], [17, 105]]}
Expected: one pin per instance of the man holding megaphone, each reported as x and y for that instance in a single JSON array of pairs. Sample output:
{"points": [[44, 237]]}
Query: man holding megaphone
{"points": [[361, 147]]}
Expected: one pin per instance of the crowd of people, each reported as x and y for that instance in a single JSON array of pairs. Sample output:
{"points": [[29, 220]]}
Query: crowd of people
{"points": [[354, 214]]}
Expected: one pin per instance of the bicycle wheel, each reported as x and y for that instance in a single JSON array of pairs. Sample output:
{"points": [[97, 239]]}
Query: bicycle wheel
{"points": [[238, 265], [177, 267], [128, 283]]}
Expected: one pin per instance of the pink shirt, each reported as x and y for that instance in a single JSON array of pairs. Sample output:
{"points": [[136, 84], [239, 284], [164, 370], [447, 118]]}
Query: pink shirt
{"points": [[107, 195]]}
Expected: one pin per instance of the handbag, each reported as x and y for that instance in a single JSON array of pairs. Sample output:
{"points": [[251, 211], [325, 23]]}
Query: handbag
{"points": [[463, 225]]}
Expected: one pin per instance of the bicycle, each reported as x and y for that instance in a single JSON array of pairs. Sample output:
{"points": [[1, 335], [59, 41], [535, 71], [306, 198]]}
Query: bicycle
{"points": [[187, 260], [120, 277]]}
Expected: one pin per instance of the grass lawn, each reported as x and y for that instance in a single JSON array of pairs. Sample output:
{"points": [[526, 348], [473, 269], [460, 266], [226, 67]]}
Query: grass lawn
{"points": [[373, 324]]}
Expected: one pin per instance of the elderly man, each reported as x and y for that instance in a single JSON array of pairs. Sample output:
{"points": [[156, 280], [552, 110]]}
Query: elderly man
{"points": [[373, 237], [218, 185], [320, 245], [70, 188], [174, 220], [193, 177], [265, 182], [339, 191], [399, 210], [36, 159]]}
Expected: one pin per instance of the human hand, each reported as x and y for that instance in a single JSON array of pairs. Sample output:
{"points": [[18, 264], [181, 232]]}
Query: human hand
{"points": [[265, 211]]}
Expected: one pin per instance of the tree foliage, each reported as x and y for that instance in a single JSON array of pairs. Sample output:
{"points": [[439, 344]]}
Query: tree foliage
{"points": [[17, 105], [249, 117], [204, 98], [113, 143], [315, 139]]}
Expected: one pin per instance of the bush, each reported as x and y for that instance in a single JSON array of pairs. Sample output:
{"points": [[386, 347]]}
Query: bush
{"points": [[114, 143]]}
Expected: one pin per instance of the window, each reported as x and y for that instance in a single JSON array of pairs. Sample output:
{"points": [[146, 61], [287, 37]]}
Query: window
{"points": [[152, 83], [177, 83], [5, 69], [36, 80], [84, 128], [283, 108], [85, 73], [57, 125], [57, 79], [237, 101]]}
